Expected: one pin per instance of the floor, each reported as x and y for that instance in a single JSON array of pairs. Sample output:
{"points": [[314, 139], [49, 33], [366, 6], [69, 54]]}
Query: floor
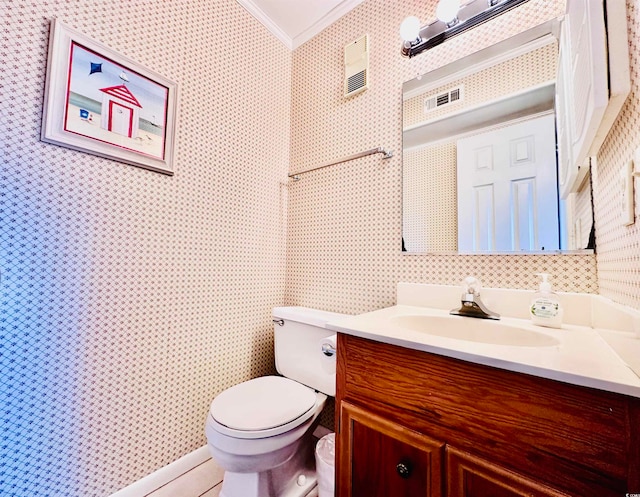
{"points": [[205, 480]]}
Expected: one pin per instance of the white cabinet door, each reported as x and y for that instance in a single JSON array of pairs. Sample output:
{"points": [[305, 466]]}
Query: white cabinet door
{"points": [[583, 57], [507, 189], [593, 82]]}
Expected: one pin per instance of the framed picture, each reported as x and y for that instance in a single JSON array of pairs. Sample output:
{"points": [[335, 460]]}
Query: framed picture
{"points": [[103, 103]]}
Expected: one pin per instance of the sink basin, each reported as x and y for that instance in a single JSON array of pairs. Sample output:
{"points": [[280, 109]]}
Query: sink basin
{"points": [[474, 330]]}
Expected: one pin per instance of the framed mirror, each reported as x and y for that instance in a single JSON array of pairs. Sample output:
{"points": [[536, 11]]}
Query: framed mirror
{"points": [[480, 155]]}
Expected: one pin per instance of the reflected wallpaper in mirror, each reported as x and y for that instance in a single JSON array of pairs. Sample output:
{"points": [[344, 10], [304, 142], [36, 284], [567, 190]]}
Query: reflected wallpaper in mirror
{"points": [[464, 122]]}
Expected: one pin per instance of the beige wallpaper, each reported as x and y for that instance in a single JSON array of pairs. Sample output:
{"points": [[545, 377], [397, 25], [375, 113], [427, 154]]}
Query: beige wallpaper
{"points": [[430, 200], [583, 214], [129, 299], [343, 251], [619, 246], [486, 85]]}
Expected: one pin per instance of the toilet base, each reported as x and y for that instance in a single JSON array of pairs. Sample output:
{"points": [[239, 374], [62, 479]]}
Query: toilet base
{"points": [[282, 481]]}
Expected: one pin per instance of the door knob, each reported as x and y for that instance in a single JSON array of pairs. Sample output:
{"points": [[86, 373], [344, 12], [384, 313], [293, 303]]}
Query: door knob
{"points": [[404, 469]]}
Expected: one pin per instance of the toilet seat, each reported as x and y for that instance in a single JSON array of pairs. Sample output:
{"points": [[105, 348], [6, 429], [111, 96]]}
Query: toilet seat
{"points": [[263, 407]]}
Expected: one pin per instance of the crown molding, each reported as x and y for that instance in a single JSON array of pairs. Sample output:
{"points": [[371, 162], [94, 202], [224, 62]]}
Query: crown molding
{"points": [[292, 43], [266, 21], [332, 16]]}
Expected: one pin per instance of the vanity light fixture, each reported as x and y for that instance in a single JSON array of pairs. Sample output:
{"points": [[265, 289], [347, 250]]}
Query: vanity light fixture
{"points": [[447, 12], [453, 18]]}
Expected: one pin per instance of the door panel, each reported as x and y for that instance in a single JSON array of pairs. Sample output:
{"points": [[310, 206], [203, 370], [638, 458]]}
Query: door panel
{"points": [[470, 476], [386, 459], [507, 189]]}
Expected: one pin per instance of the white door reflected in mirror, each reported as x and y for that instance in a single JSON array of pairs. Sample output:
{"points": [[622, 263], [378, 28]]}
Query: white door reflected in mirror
{"points": [[507, 195]]}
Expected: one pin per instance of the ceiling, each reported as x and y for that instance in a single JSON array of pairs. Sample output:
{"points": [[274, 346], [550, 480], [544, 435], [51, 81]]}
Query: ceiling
{"points": [[295, 21]]}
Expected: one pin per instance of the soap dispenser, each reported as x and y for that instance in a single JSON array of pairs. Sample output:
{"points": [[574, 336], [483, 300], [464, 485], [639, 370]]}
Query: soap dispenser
{"points": [[546, 309]]}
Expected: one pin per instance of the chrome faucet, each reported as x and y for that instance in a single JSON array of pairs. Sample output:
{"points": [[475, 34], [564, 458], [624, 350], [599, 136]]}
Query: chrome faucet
{"points": [[472, 306]]}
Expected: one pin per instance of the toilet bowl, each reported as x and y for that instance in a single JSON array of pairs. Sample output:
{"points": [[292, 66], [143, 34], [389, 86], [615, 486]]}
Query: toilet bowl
{"points": [[261, 431]]}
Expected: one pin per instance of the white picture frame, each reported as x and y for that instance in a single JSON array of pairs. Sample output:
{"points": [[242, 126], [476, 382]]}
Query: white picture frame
{"points": [[103, 103]]}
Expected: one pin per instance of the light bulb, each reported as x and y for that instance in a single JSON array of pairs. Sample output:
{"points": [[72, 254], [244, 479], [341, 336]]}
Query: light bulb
{"points": [[410, 28], [447, 10]]}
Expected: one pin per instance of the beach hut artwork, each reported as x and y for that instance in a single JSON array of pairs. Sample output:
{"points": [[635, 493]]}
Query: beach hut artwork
{"points": [[123, 105], [101, 102]]}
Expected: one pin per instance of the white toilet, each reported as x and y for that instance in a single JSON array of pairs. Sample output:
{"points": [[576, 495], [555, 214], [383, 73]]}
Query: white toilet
{"points": [[260, 431]]}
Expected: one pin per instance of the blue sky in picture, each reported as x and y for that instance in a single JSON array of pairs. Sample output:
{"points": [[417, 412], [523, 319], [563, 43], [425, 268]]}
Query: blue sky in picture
{"points": [[151, 95]]}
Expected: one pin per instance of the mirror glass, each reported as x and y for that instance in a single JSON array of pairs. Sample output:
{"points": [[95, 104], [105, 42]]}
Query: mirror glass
{"points": [[480, 155]]}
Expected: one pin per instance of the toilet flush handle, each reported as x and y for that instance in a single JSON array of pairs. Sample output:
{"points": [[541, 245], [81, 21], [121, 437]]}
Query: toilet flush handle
{"points": [[328, 349], [279, 322]]}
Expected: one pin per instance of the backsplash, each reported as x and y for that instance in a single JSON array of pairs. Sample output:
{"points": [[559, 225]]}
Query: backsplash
{"points": [[129, 299], [344, 240]]}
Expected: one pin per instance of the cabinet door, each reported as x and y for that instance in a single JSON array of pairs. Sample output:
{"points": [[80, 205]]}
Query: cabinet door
{"points": [[583, 71], [379, 458], [469, 476]]}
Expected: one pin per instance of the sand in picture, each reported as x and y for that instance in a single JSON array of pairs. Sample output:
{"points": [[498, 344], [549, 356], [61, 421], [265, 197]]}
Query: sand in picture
{"points": [[146, 143]]}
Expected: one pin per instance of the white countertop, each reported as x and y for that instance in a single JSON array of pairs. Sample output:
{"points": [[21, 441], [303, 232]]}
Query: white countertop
{"points": [[585, 356]]}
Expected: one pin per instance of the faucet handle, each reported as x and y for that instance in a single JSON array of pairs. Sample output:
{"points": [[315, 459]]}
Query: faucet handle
{"points": [[471, 285]]}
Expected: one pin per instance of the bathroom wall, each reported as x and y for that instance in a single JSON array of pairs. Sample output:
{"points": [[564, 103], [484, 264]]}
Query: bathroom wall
{"points": [[430, 200], [129, 299], [487, 84], [343, 250], [619, 246]]}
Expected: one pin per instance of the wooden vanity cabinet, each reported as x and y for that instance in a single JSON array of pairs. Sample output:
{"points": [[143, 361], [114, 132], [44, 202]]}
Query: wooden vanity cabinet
{"points": [[468, 430]]}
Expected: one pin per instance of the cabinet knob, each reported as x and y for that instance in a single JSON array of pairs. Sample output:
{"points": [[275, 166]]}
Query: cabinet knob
{"points": [[404, 469]]}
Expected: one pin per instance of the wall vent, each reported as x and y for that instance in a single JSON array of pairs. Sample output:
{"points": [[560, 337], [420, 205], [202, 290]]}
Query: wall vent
{"points": [[356, 66], [444, 98]]}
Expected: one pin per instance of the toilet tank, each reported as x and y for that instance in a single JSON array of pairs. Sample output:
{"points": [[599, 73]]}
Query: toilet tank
{"points": [[298, 344]]}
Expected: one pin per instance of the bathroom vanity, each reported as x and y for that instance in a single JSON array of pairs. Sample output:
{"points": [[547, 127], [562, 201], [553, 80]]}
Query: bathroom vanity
{"points": [[422, 416]]}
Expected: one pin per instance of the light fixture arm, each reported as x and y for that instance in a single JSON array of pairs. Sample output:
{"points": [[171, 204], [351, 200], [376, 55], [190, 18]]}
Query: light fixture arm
{"points": [[470, 15]]}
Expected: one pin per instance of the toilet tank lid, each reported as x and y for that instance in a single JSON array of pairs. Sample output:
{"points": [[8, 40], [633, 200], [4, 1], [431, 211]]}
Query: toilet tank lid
{"points": [[306, 315]]}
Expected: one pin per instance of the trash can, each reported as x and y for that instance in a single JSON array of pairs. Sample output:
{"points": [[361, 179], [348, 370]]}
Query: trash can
{"points": [[325, 463]]}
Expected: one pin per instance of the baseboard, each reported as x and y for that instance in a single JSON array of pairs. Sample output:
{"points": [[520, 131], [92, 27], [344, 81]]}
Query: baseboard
{"points": [[177, 468], [164, 475]]}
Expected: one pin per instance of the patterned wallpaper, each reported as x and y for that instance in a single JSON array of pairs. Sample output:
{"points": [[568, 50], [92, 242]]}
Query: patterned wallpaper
{"points": [[129, 299], [430, 200], [343, 251], [619, 246], [581, 203], [486, 85]]}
